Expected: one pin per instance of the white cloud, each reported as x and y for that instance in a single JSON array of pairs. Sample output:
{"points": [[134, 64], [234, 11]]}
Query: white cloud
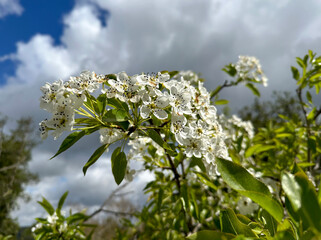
{"points": [[8, 7], [144, 35]]}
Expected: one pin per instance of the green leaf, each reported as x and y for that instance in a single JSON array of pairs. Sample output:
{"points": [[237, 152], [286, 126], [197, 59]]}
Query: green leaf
{"points": [[197, 162], [231, 224], [210, 235], [303, 198], [204, 179], [159, 140], [258, 148], [309, 97], [195, 204], [118, 165], [318, 75], [230, 70], [117, 104], [47, 206], [269, 222], [253, 89], [284, 235], [295, 73], [221, 102], [70, 140], [101, 102], [312, 114], [96, 155], [40, 236], [242, 181], [76, 217], [160, 199], [111, 76], [61, 202], [115, 115], [300, 62]]}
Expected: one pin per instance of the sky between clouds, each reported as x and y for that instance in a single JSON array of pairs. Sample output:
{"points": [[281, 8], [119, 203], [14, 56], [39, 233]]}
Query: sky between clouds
{"points": [[144, 36]]}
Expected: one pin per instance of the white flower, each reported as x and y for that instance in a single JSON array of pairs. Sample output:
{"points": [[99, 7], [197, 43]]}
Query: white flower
{"points": [[87, 81], [180, 99], [188, 76], [193, 147], [61, 121], [246, 207], [127, 88], [52, 219], [110, 135], [250, 67], [177, 127], [50, 92], [43, 128], [154, 106], [198, 129], [129, 174]]}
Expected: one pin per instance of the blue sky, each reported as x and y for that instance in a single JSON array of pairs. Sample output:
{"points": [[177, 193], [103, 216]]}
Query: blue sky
{"points": [[55, 39], [38, 16]]}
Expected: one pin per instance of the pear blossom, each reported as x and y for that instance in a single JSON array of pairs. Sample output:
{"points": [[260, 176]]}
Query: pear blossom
{"points": [[127, 88], [250, 67], [110, 135], [154, 105], [50, 93]]}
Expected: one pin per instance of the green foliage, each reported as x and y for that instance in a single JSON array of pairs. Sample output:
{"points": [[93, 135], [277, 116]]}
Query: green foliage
{"points": [[58, 226], [243, 182], [15, 153], [264, 190]]}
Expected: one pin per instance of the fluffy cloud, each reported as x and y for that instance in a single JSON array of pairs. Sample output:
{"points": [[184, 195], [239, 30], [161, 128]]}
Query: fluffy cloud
{"points": [[143, 35], [8, 7]]}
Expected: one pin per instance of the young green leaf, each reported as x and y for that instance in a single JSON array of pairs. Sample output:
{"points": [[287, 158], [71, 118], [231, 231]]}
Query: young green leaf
{"points": [[253, 89], [221, 102], [158, 139], [96, 155], [295, 73], [302, 195], [47, 206], [231, 224], [70, 140], [258, 148], [242, 181], [118, 165], [115, 115], [269, 222], [101, 102], [61, 202]]}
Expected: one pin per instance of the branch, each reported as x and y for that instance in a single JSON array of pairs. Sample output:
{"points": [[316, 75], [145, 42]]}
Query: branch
{"points": [[317, 114], [176, 174], [101, 209], [219, 88]]}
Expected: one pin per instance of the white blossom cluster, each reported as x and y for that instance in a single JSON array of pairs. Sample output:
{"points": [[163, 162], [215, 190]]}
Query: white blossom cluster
{"points": [[53, 222], [233, 125], [187, 108], [181, 103], [62, 99], [250, 67], [187, 76]]}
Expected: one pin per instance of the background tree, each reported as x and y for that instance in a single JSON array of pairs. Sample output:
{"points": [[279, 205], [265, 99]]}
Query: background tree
{"points": [[261, 112], [15, 153]]}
